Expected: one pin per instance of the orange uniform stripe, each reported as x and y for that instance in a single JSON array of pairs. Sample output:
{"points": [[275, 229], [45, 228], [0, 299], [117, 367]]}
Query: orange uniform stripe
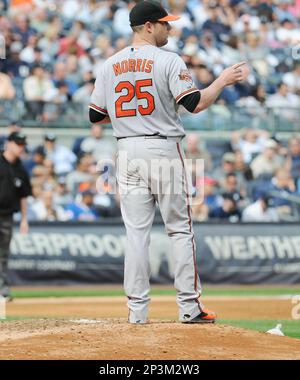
{"points": [[96, 108], [179, 97], [191, 230]]}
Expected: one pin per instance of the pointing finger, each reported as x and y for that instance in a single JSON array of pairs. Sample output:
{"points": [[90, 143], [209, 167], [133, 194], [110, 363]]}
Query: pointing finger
{"points": [[237, 65]]}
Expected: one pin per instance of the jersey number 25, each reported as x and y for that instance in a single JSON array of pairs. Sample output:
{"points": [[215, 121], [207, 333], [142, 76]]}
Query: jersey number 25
{"points": [[133, 91]]}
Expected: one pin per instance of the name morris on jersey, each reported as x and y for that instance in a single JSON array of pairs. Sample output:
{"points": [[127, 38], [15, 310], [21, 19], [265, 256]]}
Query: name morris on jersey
{"points": [[133, 65]]}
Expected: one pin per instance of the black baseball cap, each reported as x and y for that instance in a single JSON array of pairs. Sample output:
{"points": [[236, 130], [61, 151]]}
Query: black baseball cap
{"points": [[151, 11], [17, 137]]}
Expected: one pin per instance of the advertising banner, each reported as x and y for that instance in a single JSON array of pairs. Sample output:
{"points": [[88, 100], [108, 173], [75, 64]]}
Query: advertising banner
{"points": [[94, 253]]}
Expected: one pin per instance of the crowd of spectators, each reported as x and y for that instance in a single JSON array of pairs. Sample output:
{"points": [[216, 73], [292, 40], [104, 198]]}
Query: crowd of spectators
{"points": [[70, 183], [54, 48], [256, 180], [254, 177]]}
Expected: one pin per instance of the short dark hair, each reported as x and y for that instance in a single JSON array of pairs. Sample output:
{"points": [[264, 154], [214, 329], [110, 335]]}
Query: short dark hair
{"points": [[137, 29], [231, 175]]}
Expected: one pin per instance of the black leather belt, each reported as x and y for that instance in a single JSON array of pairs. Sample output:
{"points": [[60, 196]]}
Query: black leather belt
{"points": [[155, 136]]}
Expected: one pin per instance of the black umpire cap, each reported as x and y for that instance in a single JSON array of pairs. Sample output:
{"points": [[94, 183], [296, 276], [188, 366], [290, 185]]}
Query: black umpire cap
{"points": [[18, 138], [151, 11]]}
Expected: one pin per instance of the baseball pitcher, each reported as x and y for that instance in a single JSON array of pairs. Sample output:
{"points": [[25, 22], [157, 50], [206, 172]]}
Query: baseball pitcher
{"points": [[139, 91]]}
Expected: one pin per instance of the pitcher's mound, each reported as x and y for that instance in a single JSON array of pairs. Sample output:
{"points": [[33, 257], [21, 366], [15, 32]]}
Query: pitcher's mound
{"points": [[116, 339]]}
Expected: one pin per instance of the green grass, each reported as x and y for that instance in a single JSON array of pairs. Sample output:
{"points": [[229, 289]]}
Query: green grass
{"points": [[208, 291], [14, 318], [289, 328]]}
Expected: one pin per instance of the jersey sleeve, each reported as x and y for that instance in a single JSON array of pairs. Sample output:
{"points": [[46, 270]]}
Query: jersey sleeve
{"points": [[180, 79], [98, 100]]}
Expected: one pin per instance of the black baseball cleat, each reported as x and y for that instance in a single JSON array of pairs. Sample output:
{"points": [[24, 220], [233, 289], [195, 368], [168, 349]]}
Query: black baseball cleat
{"points": [[206, 316]]}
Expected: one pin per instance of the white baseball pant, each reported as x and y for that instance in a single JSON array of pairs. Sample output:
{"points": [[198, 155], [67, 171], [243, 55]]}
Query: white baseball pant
{"points": [[141, 185]]}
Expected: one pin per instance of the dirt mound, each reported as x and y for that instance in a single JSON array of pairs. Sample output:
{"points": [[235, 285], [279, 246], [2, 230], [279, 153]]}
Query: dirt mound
{"points": [[116, 339], [97, 328]]}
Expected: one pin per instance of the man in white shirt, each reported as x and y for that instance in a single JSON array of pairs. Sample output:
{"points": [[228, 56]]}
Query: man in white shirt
{"points": [[292, 79], [62, 157], [284, 103], [95, 144], [37, 85], [250, 142], [267, 162], [260, 212]]}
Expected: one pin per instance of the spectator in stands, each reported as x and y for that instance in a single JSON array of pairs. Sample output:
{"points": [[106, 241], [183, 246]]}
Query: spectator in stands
{"points": [[36, 57], [293, 160], [254, 52], [83, 173], [266, 163], [203, 76], [36, 87], [49, 43], [7, 90], [260, 211], [281, 187], [44, 209], [200, 210], [282, 11], [83, 94], [27, 54], [70, 8], [230, 185], [62, 197], [228, 167], [73, 69], [37, 159], [230, 50], [242, 169], [288, 33], [22, 29], [95, 144], [42, 176], [210, 54], [246, 23], [56, 101], [3, 5], [215, 24], [58, 94], [228, 211], [121, 17], [179, 8], [207, 192], [292, 79], [39, 20], [250, 142], [63, 158], [194, 152], [69, 45], [83, 209], [13, 65], [255, 102], [284, 103], [60, 75]]}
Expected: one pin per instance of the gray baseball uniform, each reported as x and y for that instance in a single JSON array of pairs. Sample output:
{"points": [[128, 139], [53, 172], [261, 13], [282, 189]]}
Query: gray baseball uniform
{"points": [[139, 88]]}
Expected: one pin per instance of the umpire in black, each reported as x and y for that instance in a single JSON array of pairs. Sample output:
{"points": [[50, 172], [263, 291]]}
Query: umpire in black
{"points": [[14, 189]]}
